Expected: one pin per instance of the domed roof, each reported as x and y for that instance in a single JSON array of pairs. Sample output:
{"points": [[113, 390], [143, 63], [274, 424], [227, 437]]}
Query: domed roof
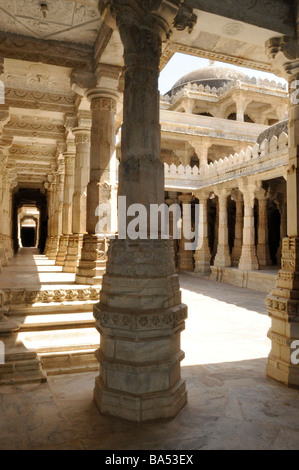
{"points": [[213, 75], [275, 129]]}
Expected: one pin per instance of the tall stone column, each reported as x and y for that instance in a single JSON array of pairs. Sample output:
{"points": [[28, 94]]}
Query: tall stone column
{"points": [[140, 315], [58, 207], [202, 256], [223, 258], [173, 199], [283, 302], [248, 260], [216, 231], [263, 253], [241, 105], [82, 168], [201, 148], [3, 160], [185, 256], [237, 249], [282, 207], [50, 187], [68, 191], [6, 201], [103, 101]]}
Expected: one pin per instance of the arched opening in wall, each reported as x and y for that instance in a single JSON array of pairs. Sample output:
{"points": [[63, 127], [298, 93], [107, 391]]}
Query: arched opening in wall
{"points": [[274, 221], [30, 219]]}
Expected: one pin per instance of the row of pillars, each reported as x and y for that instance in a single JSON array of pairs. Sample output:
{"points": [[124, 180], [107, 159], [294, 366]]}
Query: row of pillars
{"points": [[83, 182], [245, 254]]}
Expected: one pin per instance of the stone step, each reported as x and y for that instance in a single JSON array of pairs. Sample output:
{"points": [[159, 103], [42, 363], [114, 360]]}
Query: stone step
{"points": [[69, 362], [55, 321], [63, 351]]}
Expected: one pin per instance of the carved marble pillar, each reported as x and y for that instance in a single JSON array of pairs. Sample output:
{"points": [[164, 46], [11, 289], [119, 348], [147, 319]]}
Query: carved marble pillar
{"points": [[103, 100], [68, 191], [237, 249], [6, 201], [82, 168], [3, 160], [202, 255], [248, 260], [223, 258], [283, 302], [58, 208], [50, 186], [263, 253], [140, 315], [282, 206], [202, 149], [171, 200], [186, 256], [241, 105], [216, 231]]}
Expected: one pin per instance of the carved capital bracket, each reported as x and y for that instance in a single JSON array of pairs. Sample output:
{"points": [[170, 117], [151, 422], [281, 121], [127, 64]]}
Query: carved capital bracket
{"points": [[143, 26], [284, 52]]}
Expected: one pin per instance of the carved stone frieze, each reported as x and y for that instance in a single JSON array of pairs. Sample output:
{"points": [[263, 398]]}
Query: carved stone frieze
{"points": [[39, 100], [30, 296]]}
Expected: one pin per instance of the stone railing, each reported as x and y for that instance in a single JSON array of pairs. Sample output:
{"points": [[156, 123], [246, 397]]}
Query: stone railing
{"points": [[192, 124], [262, 85], [268, 156]]}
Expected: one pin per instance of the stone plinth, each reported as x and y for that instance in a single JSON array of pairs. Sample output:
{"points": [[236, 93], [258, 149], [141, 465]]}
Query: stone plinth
{"points": [[75, 243], [53, 247], [62, 250], [140, 317], [93, 259]]}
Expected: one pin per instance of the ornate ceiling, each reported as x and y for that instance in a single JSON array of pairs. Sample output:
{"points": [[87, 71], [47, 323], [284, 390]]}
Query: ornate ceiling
{"points": [[60, 20]]}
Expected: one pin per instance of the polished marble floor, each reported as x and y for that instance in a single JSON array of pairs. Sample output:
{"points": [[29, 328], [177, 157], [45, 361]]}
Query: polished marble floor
{"points": [[231, 403]]}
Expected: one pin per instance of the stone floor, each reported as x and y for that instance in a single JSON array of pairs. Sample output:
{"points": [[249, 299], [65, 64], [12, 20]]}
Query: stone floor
{"points": [[232, 404]]}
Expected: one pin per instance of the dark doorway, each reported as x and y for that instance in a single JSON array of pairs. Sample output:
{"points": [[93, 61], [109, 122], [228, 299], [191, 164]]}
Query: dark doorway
{"points": [[35, 198], [28, 236]]}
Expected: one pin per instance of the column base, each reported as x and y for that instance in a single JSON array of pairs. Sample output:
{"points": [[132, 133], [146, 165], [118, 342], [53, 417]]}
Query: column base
{"points": [[222, 258], [72, 258], [202, 259], [140, 318], [92, 264], [53, 247], [139, 409], [248, 260], [283, 308], [236, 253], [62, 250], [186, 261], [263, 256]]}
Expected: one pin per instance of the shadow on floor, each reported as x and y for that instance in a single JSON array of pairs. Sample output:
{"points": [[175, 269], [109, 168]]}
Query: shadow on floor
{"points": [[241, 297]]}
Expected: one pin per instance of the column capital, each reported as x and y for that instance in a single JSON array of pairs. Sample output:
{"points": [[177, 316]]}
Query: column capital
{"points": [[284, 52], [154, 14], [222, 192], [202, 195], [82, 135]]}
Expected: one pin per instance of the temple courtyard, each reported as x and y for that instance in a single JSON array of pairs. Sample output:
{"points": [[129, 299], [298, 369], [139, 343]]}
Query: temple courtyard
{"points": [[231, 402]]}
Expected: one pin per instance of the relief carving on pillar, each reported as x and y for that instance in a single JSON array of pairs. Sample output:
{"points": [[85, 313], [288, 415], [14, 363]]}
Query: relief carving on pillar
{"points": [[103, 104]]}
